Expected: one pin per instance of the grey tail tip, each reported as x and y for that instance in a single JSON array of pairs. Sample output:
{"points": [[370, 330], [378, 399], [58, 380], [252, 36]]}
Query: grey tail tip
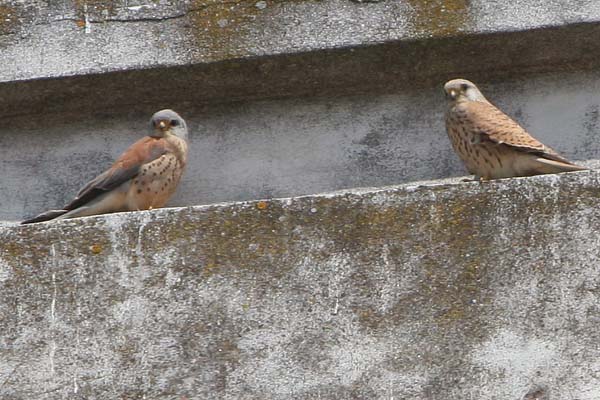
{"points": [[576, 167], [47, 216]]}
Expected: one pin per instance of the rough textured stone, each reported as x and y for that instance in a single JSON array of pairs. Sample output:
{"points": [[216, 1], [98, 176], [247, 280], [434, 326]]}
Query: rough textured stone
{"points": [[101, 36], [439, 292], [222, 50], [452, 291]]}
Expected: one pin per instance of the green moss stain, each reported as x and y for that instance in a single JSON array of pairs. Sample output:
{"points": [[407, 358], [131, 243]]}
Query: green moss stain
{"points": [[248, 239], [440, 17], [9, 19], [11, 250], [96, 248], [222, 27]]}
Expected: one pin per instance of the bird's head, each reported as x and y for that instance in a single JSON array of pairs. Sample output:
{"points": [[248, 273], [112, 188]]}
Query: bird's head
{"points": [[462, 90], [165, 122]]}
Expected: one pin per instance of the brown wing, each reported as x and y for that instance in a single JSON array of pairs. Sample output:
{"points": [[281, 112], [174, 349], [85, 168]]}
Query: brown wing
{"points": [[499, 128], [126, 167]]}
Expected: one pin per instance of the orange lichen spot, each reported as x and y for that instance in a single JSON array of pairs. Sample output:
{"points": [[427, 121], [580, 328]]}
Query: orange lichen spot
{"points": [[96, 248], [80, 23], [261, 205]]}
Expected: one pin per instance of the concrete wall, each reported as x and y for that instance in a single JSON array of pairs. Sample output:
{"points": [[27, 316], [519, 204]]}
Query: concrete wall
{"points": [[41, 39], [442, 290], [456, 291]]}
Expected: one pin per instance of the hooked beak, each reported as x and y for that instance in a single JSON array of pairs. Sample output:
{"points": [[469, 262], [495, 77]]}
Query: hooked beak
{"points": [[451, 94], [159, 128]]}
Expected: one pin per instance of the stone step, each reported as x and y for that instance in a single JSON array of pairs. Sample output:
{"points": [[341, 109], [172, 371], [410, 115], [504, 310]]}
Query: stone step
{"points": [[424, 291]]}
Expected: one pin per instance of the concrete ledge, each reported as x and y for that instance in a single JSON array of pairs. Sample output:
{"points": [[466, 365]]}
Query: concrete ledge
{"points": [[98, 36], [449, 291], [116, 53], [388, 67]]}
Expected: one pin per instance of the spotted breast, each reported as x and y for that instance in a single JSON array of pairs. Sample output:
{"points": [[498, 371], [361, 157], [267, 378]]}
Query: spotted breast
{"points": [[490, 143], [158, 180], [481, 157]]}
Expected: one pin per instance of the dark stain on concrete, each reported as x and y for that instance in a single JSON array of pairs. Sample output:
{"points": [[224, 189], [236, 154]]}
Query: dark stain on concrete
{"points": [[440, 17]]}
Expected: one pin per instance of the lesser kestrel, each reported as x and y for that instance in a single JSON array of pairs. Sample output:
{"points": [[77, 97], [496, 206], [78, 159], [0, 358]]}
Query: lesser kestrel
{"points": [[143, 177], [490, 143]]}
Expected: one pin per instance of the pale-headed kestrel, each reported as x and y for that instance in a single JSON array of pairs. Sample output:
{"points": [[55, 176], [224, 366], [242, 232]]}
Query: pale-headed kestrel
{"points": [[490, 143], [143, 177]]}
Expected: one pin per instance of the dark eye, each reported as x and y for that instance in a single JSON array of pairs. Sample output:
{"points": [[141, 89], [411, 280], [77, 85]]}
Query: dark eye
{"points": [[464, 87], [174, 122]]}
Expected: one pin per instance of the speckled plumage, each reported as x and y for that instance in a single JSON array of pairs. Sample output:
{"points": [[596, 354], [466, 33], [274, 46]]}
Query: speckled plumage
{"points": [[158, 180], [490, 143], [145, 176]]}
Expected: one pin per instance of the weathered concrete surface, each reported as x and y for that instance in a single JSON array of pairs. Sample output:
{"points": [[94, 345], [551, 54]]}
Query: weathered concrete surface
{"points": [[43, 39], [288, 147], [462, 291], [99, 36], [222, 50]]}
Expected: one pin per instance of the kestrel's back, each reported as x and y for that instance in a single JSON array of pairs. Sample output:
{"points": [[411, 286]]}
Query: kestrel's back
{"points": [[490, 143]]}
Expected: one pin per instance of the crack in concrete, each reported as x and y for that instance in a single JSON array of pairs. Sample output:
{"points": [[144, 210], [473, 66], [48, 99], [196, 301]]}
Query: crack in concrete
{"points": [[119, 19]]}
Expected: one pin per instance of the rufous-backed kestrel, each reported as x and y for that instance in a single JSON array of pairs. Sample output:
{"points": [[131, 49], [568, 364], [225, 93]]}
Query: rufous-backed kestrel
{"points": [[490, 143], [143, 177]]}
